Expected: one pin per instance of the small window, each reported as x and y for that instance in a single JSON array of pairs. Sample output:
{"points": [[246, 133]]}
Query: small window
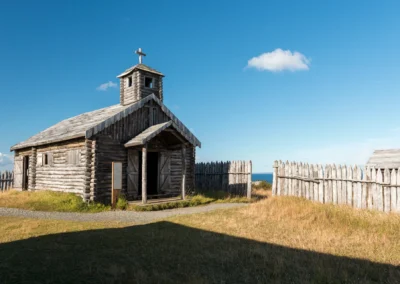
{"points": [[130, 82], [148, 82], [47, 159], [154, 116]]}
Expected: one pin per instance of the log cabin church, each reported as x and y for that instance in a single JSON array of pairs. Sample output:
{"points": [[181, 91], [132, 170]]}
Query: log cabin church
{"points": [[156, 149]]}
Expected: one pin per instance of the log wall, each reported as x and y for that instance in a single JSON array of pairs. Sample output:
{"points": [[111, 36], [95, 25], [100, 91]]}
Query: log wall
{"points": [[59, 175], [107, 151], [368, 188], [137, 91]]}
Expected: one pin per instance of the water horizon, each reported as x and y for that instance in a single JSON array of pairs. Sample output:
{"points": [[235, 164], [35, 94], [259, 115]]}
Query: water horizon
{"points": [[262, 176]]}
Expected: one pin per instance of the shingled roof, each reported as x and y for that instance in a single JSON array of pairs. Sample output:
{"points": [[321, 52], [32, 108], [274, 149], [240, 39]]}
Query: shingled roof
{"points": [[389, 158], [140, 67], [90, 123]]}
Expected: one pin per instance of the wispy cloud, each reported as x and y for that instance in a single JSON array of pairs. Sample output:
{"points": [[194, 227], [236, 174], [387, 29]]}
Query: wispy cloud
{"points": [[6, 162], [280, 60], [106, 86]]}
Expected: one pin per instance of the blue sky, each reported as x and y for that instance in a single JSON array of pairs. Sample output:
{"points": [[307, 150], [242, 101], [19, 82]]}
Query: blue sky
{"points": [[232, 72]]}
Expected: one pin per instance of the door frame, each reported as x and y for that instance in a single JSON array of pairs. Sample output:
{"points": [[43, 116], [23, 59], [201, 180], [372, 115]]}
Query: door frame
{"points": [[25, 172]]}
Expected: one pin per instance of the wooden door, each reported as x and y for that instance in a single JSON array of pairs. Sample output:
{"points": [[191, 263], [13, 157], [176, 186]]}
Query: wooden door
{"points": [[18, 172], [133, 173], [164, 171]]}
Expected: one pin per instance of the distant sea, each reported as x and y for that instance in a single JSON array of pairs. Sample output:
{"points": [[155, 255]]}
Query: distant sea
{"points": [[262, 176]]}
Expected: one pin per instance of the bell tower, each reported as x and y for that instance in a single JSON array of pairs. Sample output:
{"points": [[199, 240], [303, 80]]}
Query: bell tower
{"points": [[140, 81]]}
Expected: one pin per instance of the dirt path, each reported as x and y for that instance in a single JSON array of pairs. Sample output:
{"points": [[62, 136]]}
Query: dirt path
{"points": [[122, 216]]}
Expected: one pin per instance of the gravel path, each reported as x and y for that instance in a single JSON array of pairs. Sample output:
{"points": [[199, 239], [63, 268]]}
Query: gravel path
{"points": [[122, 216]]}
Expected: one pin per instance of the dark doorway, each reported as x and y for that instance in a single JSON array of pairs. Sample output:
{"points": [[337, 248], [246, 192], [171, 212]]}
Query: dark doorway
{"points": [[152, 173], [25, 173]]}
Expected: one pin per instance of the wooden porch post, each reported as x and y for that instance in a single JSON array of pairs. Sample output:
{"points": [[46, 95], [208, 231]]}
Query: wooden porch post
{"points": [[144, 174], [183, 172]]}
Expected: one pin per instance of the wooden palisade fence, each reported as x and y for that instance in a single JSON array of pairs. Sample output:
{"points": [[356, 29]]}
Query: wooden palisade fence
{"points": [[233, 177], [6, 180], [368, 187]]}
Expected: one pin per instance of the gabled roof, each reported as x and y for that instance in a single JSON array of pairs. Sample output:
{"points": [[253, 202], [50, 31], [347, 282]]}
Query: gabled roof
{"points": [[90, 123], [70, 128], [148, 134], [134, 107], [389, 158], [140, 67]]}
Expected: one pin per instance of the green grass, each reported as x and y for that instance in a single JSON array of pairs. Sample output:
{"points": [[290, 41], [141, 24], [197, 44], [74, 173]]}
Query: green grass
{"points": [[277, 240], [261, 185], [48, 201], [196, 200]]}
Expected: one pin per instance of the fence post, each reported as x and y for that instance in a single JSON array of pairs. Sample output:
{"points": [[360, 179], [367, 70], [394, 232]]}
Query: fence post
{"points": [[393, 182], [379, 190], [328, 185], [321, 184], [398, 191], [306, 172], [339, 183], [357, 187], [364, 191], [334, 185], [349, 186], [275, 178], [386, 191], [368, 188], [250, 170]]}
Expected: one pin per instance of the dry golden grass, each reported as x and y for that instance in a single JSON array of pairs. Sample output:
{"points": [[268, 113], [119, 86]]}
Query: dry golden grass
{"points": [[15, 228], [298, 223], [276, 240]]}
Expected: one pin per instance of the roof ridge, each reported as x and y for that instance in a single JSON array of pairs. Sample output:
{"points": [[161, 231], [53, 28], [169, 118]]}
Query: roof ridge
{"points": [[140, 66]]}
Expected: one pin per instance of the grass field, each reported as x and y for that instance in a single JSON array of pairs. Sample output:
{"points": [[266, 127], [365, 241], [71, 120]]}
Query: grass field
{"points": [[48, 201], [68, 202], [278, 240]]}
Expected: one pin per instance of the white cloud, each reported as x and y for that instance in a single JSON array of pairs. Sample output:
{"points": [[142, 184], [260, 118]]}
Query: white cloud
{"points": [[279, 60], [6, 162], [105, 86]]}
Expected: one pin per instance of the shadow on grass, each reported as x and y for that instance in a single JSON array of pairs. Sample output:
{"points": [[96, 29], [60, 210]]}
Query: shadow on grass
{"points": [[165, 252]]}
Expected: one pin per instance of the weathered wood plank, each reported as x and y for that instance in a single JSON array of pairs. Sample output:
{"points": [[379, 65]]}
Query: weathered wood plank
{"points": [[144, 174]]}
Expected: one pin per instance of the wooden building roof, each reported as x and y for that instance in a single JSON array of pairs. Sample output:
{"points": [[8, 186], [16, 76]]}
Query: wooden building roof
{"points": [[389, 158], [90, 123], [153, 131], [140, 67], [148, 134]]}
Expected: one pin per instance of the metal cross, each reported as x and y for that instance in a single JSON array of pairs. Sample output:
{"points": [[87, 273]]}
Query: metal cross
{"points": [[140, 53]]}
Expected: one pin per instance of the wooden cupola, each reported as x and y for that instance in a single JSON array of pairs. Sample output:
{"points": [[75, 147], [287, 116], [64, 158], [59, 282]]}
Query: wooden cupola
{"points": [[139, 82]]}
